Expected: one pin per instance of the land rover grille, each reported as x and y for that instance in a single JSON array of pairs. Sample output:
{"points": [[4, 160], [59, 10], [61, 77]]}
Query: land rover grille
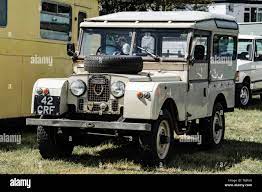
{"points": [[98, 88]]}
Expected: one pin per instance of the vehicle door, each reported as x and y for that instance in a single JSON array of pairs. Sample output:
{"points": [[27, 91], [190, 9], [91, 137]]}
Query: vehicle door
{"points": [[196, 106]]}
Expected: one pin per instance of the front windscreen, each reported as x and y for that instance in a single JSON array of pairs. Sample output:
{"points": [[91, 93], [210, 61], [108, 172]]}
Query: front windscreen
{"points": [[170, 44]]}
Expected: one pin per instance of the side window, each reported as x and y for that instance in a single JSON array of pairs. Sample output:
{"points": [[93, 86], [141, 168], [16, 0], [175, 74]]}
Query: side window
{"points": [[225, 46], [55, 21], [3, 12], [201, 48], [258, 52], [81, 18]]}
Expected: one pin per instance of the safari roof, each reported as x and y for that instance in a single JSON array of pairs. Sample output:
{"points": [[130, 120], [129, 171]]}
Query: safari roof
{"points": [[168, 19], [175, 16]]}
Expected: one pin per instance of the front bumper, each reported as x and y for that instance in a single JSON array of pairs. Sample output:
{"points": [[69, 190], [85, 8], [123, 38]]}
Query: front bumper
{"points": [[89, 124]]}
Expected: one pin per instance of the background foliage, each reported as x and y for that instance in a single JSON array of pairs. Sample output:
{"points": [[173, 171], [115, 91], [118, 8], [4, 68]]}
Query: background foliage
{"points": [[112, 6]]}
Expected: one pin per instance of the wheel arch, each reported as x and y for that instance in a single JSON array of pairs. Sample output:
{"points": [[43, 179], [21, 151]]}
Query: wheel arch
{"points": [[247, 79], [171, 106], [221, 99]]}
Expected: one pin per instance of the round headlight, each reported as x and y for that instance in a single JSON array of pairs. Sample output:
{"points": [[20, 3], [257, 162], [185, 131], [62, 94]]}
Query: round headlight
{"points": [[118, 89], [78, 88]]}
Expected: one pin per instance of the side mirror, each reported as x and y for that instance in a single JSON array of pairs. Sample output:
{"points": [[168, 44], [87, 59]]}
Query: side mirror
{"points": [[199, 53], [71, 49]]}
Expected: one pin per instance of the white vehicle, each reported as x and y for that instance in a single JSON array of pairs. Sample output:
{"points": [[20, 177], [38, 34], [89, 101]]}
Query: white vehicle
{"points": [[249, 69], [177, 81]]}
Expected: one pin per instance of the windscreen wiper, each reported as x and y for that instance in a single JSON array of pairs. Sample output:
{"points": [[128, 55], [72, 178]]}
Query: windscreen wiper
{"points": [[155, 57]]}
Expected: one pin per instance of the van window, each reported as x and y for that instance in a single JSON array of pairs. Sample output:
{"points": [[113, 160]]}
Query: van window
{"points": [[225, 46], [258, 53], [3, 12], [244, 49], [55, 21]]}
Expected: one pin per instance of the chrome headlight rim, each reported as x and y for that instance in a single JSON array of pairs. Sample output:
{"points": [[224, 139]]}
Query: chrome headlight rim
{"points": [[84, 87], [115, 85]]}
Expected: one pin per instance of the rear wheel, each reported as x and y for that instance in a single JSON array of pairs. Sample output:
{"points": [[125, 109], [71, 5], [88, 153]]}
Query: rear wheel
{"points": [[212, 129], [158, 145], [51, 145]]}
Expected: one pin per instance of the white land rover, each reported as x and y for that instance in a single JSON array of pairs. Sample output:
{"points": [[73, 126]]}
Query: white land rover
{"points": [[153, 77], [249, 69]]}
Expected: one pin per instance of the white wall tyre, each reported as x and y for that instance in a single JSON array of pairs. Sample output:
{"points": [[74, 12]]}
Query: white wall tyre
{"points": [[163, 138], [212, 129], [217, 127], [158, 146]]}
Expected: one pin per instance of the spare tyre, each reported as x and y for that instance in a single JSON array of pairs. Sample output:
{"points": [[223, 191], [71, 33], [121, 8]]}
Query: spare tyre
{"points": [[114, 64]]}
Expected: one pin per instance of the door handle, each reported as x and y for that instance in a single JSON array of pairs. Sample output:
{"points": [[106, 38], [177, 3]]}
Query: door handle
{"points": [[205, 92]]}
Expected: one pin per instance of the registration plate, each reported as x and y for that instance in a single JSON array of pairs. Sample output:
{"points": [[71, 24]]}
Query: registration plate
{"points": [[46, 105]]}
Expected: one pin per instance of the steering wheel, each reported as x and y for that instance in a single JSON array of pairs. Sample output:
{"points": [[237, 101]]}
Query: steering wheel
{"points": [[117, 51]]}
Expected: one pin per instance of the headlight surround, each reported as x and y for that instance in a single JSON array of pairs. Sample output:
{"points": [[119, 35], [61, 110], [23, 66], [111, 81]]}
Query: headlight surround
{"points": [[78, 88], [118, 89]]}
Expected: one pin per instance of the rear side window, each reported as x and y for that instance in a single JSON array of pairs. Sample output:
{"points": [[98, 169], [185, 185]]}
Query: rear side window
{"points": [[55, 21], [3, 12], [226, 24], [225, 46]]}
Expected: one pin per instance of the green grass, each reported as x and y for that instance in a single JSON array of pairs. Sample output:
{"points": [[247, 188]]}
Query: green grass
{"points": [[240, 154]]}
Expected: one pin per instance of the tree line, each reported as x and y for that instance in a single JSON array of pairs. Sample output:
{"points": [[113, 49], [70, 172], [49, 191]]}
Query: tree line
{"points": [[113, 6]]}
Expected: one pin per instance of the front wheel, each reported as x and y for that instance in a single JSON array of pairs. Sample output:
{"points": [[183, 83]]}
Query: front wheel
{"points": [[212, 129], [158, 145], [243, 95], [51, 145]]}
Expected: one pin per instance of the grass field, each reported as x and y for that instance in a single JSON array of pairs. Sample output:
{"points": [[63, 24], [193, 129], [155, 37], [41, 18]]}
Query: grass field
{"points": [[241, 153]]}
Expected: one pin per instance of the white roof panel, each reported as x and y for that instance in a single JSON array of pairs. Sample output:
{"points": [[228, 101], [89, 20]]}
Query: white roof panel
{"points": [[176, 16], [249, 37]]}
